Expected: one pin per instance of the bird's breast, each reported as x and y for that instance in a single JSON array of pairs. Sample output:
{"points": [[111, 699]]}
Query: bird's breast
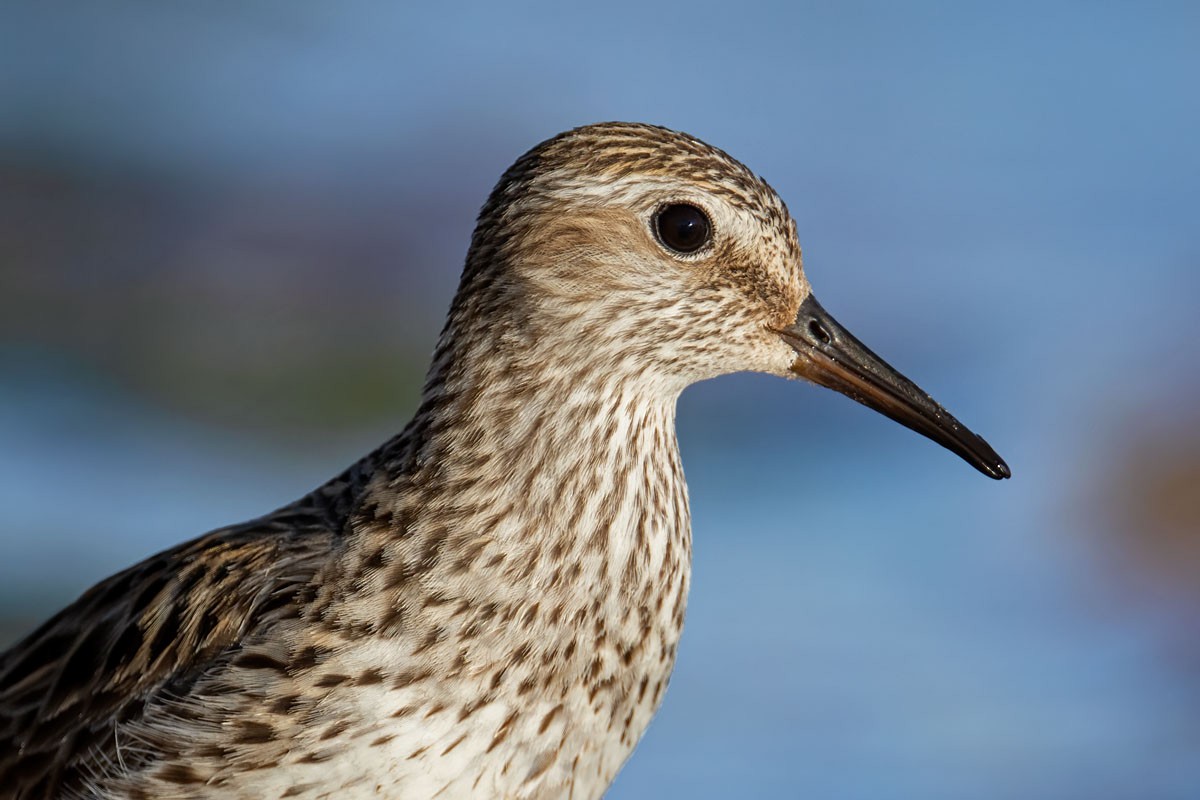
{"points": [[536, 674]]}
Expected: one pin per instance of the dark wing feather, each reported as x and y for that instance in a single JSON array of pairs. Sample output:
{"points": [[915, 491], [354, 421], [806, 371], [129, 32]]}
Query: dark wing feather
{"points": [[66, 687]]}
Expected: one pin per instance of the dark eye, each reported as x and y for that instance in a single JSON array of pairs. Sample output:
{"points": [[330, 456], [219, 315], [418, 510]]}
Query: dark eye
{"points": [[683, 228]]}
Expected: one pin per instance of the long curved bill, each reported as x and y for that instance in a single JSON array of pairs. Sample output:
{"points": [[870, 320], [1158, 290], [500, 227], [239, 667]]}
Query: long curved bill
{"points": [[829, 355]]}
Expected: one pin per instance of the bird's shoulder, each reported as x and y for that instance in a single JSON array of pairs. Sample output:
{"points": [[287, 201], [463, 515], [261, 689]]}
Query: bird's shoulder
{"points": [[154, 628]]}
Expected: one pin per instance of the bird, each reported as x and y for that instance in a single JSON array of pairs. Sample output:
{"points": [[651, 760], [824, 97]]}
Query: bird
{"points": [[489, 604]]}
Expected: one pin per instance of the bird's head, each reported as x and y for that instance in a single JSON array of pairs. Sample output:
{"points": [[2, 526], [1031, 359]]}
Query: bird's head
{"points": [[636, 250]]}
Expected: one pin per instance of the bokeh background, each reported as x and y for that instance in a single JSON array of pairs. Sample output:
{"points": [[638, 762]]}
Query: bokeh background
{"points": [[228, 232]]}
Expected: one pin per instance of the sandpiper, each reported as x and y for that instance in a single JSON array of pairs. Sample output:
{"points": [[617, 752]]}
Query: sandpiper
{"points": [[489, 604]]}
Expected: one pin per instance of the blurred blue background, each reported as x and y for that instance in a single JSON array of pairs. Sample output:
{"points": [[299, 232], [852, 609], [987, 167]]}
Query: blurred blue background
{"points": [[228, 232]]}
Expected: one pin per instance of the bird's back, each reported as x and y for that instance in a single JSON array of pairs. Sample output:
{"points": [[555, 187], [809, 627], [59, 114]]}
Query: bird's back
{"points": [[147, 633]]}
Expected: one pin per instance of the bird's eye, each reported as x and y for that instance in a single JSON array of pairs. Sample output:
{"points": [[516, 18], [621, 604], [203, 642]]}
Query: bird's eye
{"points": [[683, 228]]}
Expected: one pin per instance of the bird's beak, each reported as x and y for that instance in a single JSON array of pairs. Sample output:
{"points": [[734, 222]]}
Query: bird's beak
{"points": [[827, 354]]}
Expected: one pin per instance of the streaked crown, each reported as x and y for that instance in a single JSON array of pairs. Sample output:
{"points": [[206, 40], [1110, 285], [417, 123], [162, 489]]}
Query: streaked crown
{"points": [[642, 245]]}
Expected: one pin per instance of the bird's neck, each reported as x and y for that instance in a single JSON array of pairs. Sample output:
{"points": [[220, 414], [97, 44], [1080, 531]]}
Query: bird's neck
{"points": [[530, 529], [547, 430], [544, 456]]}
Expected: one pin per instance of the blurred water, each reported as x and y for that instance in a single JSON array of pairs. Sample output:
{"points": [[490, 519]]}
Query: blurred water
{"points": [[1002, 200], [884, 637]]}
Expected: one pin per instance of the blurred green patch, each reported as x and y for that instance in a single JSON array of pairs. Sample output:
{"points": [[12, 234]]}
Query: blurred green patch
{"points": [[261, 308]]}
